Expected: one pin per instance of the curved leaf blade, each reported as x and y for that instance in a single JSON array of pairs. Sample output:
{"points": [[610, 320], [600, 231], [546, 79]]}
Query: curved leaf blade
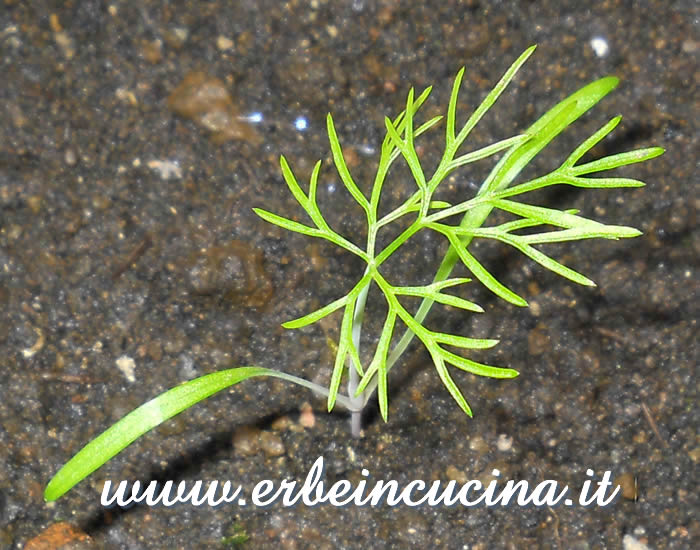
{"points": [[481, 273], [464, 342], [621, 159], [292, 183], [143, 419], [288, 224], [342, 167], [449, 383], [477, 368], [446, 299], [314, 316]]}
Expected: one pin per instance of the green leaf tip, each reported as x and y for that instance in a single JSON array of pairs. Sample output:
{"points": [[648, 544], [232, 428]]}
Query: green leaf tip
{"points": [[654, 152], [600, 88]]}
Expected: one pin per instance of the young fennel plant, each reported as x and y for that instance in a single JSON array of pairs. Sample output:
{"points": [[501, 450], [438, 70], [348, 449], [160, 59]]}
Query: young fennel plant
{"points": [[426, 213]]}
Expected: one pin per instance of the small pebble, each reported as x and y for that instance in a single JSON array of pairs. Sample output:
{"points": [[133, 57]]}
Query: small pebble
{"points": [[152, 50], [478, 444], [234, 270], [282, 424], [695, 455], [628, 485], [504, 443], [60, 536], [224, 43], [38, 345], [246, 441], [272, 444], [631, 543], [70, 157], [186, 369], [538, 340], [167, 169], [454, 473], [600, 46], [307, 418], [206, 100], [155, 350], [176, 37], [126, 365], [54, 23]]}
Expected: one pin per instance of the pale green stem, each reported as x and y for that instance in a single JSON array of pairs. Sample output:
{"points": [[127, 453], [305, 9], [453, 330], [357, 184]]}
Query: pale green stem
{"points": [[357, 402], [321, 390]]}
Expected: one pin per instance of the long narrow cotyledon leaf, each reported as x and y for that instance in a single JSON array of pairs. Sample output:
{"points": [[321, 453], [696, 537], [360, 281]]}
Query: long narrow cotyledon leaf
{"points": [[148, 416]]}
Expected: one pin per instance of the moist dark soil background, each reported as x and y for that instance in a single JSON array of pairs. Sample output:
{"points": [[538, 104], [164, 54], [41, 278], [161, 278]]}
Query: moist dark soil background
{"points": [[130, 260]]}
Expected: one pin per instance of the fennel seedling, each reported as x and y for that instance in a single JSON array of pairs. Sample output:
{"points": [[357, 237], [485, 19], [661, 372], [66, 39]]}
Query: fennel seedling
{"points": [[425, 212]]}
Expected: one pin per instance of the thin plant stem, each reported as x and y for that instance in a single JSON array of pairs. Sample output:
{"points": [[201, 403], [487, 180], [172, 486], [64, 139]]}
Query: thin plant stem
{"points": [[358, 402]]}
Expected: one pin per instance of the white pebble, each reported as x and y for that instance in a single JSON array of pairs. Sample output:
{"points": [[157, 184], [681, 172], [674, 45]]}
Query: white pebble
{"points": [[126, 365], [224, 43], [504, 443], [168, 169], [630, 543], [600, 46]]}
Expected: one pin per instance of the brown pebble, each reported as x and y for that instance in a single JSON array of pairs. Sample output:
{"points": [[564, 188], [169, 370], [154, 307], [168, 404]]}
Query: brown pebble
{"points": [[246, 441], [206, 101], [54, 23], [628, 485], [234, 271], [538, 340], [176, 37], [155, 351], [307, 418], [478, 444], [272, 444], [281, 424], [694, 454], [34, 203], [60, 536], [224, 43], [65, 42], [454, 473], [152, 50]]}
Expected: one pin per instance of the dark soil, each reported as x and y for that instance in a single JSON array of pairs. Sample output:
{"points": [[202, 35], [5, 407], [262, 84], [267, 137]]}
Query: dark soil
{"points": [[127, 239]]}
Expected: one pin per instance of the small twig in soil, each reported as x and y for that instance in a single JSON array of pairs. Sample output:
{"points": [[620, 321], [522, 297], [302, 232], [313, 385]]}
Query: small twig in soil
{"points": [[653, 425], [556, 527], [135, 255], [612, 335], [40, 341], [68, 378]]}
